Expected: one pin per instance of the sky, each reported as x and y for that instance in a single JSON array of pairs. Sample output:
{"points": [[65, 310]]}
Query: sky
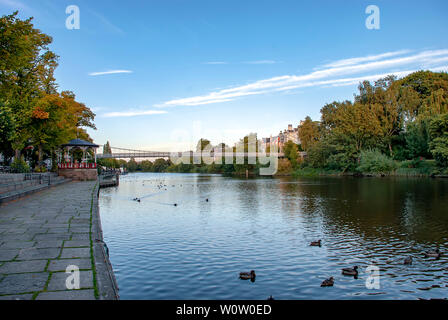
{"points": [[161, 74]]}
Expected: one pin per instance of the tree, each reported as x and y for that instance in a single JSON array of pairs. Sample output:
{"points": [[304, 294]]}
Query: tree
{"points": [[438, 132], [26, 69], [107, 149], [290, 150], [7, 130], [160, 165], [202, 144], [35, 114], [308, 133], [55, 119], [146, 166]]}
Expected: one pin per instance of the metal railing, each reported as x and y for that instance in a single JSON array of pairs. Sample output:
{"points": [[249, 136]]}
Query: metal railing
{"points": [[43, 178]]}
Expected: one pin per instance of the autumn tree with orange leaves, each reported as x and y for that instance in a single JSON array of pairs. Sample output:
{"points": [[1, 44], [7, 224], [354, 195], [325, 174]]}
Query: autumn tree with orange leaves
{"points": [[32, 111]]}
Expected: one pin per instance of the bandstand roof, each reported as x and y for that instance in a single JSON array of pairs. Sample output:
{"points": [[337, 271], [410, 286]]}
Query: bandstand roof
{"points": [[80, 143]]}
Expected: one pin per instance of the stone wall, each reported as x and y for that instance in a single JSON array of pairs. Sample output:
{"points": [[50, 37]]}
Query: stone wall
{"points": [[79, 174]]}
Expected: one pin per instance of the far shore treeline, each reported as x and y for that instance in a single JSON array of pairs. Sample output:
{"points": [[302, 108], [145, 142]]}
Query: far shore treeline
{"points": [[35, 118], [392, 127]]}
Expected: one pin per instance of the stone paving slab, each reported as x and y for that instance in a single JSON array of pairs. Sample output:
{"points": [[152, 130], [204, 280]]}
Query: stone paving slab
{"points": [[58, 280], [16, 237], [75, 253], [80, 236], [67, 295], [17, 297], [23, 283], [38, 253], [51, 236], [23, 266], [49, 244], [8, 254], [17, 245], [62, 264], [77, 243]]}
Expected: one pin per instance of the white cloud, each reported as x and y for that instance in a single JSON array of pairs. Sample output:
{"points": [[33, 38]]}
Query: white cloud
{"points": [[352, 61], [262, 62], [329, 76], [109, 72], [215, 62], [132, 113]]}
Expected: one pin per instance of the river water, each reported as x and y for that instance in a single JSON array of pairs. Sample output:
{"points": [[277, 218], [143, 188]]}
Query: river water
{"points": [[195, 250]]}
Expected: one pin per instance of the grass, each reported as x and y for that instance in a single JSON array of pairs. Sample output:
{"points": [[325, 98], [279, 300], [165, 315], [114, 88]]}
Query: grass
{"points": [[95, 283]]}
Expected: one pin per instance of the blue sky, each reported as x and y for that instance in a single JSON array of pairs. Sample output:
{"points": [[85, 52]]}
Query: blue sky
{"points": [[175, 71]]}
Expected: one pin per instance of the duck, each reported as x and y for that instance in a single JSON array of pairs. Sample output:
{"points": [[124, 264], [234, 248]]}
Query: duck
{"points": [[247, 275], [328, 282], [138, 200], [315, 243], [175, 204], [433, 254], [408, 260], [350, 271], [206, 200]]}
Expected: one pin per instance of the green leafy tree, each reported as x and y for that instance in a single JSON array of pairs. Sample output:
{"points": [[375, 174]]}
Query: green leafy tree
{"points": [[309, 133], [438, 132], [132, 165], [291, 153]]}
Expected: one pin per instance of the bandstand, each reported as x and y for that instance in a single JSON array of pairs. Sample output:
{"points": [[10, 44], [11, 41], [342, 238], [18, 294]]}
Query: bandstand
{"points": [[77, 160]]}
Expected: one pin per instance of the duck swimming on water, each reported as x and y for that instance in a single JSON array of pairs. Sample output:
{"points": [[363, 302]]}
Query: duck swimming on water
{"points": [[350, 271], [433, 254], [328, 282], [248, 275], [315, 243], [408, 260]]}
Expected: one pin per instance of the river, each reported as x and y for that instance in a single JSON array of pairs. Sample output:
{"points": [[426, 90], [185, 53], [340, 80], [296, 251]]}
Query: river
{"points": [[196, 249]]}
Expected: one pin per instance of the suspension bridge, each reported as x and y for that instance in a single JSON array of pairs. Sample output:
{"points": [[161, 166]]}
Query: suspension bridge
{"points": [[124, 153]]}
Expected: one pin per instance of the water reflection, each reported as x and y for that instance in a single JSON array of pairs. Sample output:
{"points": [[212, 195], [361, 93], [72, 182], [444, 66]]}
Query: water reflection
{"points": [[267, 225]]}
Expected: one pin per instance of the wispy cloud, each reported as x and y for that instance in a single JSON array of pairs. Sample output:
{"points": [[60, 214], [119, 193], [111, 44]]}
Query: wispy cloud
{"points": [[262, 62], [332, 76], [352, 61], [215, 62], [109, 72], [133, 113]]}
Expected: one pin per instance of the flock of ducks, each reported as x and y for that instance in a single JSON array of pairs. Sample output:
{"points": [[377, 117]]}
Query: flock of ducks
{"points": [[160, 186], [353, 272]]}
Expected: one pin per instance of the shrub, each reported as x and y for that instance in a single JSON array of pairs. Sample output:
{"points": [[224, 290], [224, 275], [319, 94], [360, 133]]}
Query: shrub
{"points": [[19, 166], [284, 167], [40, 169], [373, 161]]}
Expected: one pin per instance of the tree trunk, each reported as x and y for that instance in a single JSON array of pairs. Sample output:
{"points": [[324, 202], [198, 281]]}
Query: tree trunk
{"points": [[39, 155]]}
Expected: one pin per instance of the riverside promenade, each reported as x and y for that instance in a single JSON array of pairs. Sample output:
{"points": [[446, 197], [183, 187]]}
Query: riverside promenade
{"points": [[42, 234]]}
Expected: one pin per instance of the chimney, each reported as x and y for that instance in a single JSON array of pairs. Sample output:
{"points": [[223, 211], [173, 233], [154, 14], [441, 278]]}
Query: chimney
{"points": [[289, 127]]}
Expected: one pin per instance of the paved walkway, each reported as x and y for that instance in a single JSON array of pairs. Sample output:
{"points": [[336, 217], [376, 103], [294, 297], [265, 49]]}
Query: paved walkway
{"points": [[41, 235]]}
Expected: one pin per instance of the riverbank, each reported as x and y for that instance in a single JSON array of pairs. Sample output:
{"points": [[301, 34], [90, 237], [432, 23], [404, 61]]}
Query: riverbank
{"points": [[43, 234], [313, 172]]}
